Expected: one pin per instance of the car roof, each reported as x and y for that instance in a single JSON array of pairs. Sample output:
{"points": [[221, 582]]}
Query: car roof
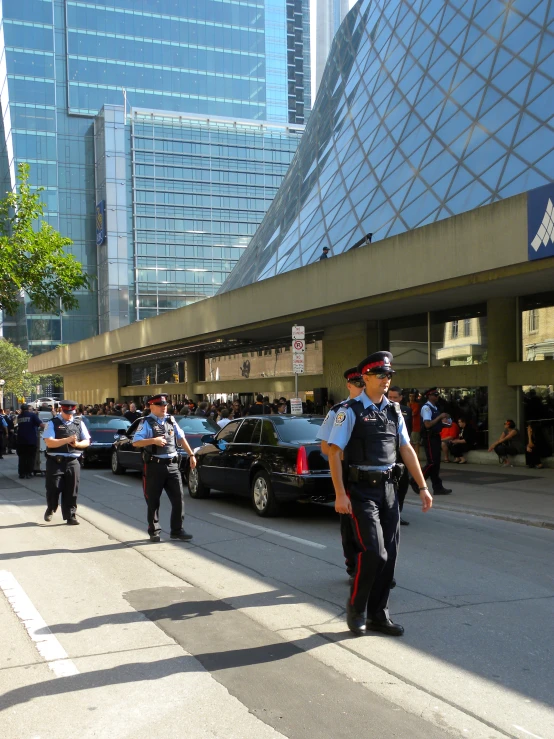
{"points": [[282, 415]]}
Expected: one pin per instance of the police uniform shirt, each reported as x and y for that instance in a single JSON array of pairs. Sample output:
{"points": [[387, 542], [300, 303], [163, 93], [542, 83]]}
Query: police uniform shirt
{"points": [[144, 431], [4, 423], [344, 423], [327, 425], [50, 433], [426, 413], [27, 425]]}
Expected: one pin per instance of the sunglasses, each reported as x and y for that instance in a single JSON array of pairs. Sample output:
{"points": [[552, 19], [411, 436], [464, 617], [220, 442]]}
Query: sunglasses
{"points": [[159, 404], [384, 375]]}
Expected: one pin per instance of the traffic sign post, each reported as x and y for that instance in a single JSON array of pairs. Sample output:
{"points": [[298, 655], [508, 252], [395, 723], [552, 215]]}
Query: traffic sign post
{"points": [[298, 349]]}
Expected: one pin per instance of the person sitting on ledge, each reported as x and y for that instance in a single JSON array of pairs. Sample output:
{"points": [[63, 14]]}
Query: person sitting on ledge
{"points": [[509, 444]]}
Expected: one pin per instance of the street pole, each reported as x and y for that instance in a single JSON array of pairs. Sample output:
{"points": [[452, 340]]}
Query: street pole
{"points": [[2, 383]]}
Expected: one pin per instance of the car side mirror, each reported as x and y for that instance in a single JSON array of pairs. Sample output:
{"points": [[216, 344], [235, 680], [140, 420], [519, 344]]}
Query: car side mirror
{"points": [[207, 438]]}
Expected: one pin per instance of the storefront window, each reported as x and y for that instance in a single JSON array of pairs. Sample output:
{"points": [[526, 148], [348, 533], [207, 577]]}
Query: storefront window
{"points": [[408, 342], [459, 337], [537, 327]]}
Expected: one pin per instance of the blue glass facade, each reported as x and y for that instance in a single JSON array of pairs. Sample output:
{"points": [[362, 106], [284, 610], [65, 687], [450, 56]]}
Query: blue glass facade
{"points": [[61, 61], [426, 109]]}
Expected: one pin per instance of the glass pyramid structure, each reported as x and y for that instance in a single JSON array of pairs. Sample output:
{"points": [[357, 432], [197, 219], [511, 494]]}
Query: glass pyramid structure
{"points": [[427, 109]]}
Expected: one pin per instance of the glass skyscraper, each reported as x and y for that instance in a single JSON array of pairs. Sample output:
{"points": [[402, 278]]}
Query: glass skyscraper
{"points": [[62, 61], [426, 109]]}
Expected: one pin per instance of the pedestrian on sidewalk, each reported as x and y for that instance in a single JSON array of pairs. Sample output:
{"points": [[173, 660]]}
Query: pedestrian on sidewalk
{"points": [[26, 442], [508, 444], [395, 395], [367, 430], [158, 435], [65, 437], [432, 423], [3, 433], [537, 446]]}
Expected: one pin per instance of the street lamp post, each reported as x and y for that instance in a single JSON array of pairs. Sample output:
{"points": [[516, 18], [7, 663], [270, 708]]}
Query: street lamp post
{"points": [[2, 383]]}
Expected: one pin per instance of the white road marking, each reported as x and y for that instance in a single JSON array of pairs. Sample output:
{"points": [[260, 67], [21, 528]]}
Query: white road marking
{"points": [[46, 643], [25, 500], [520, 728], [115, 482], [271, 531]]}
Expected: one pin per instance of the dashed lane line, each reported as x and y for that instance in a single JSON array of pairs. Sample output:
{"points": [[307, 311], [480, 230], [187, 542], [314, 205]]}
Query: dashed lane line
{"points": [[46, 643], [271, 531]]}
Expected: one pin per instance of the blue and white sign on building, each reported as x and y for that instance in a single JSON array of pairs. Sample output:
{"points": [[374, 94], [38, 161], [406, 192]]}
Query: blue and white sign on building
{"points": [[100, 223], [540, 222]]}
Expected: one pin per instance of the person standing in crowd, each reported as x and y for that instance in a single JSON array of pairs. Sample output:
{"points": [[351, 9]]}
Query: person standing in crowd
{"points": [[395, 396], [132, 414], [509, 444], [158, 435], [3, 433], [432, 423], [415, 407], [466, 441], [355, 386], [10, 441], [65, 437], [259, 408], [223, 419], [27, 440], [367, 431]]}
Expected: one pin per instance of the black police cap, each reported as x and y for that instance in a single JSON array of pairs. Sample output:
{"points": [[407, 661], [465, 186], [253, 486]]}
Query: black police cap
{"points": [[353, 374], [431, 391], [24, 406], [160, 399], [376, 363]]}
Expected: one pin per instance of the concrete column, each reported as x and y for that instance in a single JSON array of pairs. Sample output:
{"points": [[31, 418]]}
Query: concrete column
{"points": [[196, 372], [345, 346], [502, 348]]}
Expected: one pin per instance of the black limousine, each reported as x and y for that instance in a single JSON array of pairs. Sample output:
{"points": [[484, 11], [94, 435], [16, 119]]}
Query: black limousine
{"points": [[272, 459], [102, 430]]}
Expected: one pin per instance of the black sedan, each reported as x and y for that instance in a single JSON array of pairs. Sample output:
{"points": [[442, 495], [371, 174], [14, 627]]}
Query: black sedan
{"points": [[101, 430], [272, 458], [124, 456]]}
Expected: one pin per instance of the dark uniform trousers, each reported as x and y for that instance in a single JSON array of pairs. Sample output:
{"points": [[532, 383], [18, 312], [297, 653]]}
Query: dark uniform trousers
{"points": [[26, 462], [432, 447], [62, 477], [156, 477], [402, 487], [375, 531]]}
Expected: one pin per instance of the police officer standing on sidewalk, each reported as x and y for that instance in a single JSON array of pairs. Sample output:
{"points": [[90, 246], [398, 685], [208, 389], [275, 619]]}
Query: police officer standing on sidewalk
{"points": [[158, 435], [368, 431], [432, 423], [395, 396], [65, 437], [27, 440], [355, 386]]}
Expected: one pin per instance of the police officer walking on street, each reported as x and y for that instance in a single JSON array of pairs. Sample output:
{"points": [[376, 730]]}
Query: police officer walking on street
{"points": [[432, 423], [158, 435], [355, 386], [27, 440], [65, 437], [367, 431]]}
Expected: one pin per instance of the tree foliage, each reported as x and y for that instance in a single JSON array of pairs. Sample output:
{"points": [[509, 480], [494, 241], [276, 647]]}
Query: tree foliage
{"points": [[32, 255], [13, 369]]}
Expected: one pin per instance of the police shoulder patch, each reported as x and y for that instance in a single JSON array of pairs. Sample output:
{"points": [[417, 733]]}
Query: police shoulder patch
{"points": [[341, 418]]}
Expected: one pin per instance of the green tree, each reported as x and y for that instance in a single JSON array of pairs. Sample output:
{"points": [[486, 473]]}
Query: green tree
{"points": [[13, 369], [32, 254]]}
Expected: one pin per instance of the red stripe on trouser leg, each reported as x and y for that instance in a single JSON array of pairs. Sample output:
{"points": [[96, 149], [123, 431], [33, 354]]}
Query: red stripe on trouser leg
{"points": [[356, 580], [431, 460]]}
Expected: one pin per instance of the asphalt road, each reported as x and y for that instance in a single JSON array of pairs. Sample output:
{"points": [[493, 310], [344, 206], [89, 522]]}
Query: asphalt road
{"points": [[241, 633]]}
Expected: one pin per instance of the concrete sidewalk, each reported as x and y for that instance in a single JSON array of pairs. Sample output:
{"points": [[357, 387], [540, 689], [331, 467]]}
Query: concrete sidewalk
{"points": [[508, 493]]}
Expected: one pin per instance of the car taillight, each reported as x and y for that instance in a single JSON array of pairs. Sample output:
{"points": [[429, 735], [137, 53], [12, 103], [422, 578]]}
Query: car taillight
{"points": [[302, 462]]}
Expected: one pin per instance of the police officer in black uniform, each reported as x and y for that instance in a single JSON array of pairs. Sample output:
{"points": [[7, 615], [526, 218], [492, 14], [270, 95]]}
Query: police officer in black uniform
{"points": [[158, 435], [65, 437], [432, 423], [395, 396], [27, 440], [368, 430]]}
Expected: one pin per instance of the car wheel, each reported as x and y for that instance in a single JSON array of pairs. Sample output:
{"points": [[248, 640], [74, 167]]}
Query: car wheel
{"points": [[197, 489], [117, 469], [263, 497]]}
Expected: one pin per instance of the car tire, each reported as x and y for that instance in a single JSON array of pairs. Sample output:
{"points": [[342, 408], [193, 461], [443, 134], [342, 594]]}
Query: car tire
{"points": [[197, 489], [117, 469], [263, 497]]}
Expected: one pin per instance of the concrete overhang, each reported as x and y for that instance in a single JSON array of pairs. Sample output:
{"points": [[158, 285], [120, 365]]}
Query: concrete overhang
{"points": [[460, 261]]}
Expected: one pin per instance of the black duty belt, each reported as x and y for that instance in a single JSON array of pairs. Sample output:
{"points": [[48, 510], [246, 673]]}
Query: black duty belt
{"points": [[375, 478], [58, 458], [164, 460]]}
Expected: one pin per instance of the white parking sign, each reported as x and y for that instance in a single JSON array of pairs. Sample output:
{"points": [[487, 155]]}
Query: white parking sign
{"points": [[298, 332]]}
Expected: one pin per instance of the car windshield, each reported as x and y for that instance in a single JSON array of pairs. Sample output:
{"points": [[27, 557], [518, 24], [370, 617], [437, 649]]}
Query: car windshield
{"points": [[297, 429], [100, 423], [197, 424]]}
